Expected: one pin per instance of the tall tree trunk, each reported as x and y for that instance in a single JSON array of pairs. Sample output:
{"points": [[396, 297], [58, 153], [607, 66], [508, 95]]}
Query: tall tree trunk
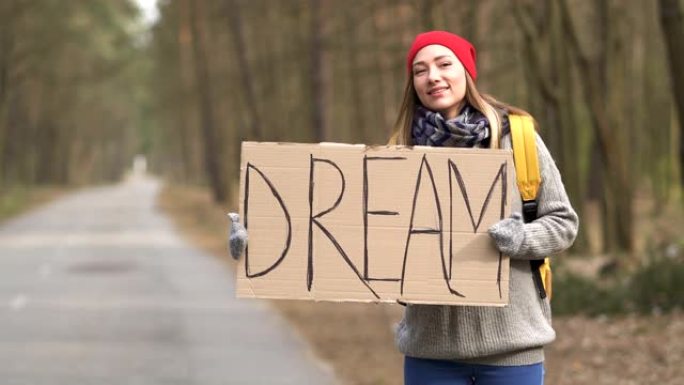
{"points": [[210, 136], [233, 13], [550, 69], [471, 20], [353, 75], [183, 124], [619, 191], [6, 49], [383, 128], [4, 107], [426, 7], [672, 23], [318, 73], [568, 129]]}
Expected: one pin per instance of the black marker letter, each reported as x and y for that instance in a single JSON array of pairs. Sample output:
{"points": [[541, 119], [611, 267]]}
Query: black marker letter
{"points": [[500, 175], [313, 219], [366, 213], [437, 231], [287, 219]]}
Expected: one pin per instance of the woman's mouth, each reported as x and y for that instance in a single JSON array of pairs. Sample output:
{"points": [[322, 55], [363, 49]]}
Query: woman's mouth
{"points": [[438, 91]]}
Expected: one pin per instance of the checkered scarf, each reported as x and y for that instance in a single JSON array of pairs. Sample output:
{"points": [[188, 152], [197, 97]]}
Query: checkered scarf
{"points": [[469, 129]]}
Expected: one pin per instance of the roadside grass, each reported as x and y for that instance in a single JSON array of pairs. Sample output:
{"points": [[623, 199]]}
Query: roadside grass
{"points": [[654, 286], [19, 199]]}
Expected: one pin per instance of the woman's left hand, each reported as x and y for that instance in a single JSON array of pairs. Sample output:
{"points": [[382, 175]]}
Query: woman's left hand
{"points": [[237, 237], [509, 234]]}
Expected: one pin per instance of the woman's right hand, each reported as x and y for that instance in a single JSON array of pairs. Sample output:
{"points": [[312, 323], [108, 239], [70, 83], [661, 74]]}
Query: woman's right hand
{"points": [[237, 238]]}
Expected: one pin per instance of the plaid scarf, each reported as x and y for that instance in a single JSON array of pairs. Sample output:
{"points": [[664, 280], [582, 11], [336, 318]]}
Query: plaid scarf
{"points": [[469, 129]]}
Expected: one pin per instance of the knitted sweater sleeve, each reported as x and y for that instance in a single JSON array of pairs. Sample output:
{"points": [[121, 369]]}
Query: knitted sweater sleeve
{"points": [[556, 225]]}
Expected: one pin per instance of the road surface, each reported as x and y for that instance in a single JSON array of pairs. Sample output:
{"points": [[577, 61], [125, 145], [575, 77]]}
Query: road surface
{"points": [[99, 288]]}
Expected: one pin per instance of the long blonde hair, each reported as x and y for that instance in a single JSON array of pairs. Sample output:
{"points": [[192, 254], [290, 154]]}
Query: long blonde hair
{"points": [[491, 108]]}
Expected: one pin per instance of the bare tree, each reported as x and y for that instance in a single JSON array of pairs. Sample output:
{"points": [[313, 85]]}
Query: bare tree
{"points": [[672, 23], [593, 70], [317, 73], [232, 10], [212, 156], [550, 68]]}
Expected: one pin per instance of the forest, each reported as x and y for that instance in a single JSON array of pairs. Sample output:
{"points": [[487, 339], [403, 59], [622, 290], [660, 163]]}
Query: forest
{"points": [[88, 86], [84, 86]]}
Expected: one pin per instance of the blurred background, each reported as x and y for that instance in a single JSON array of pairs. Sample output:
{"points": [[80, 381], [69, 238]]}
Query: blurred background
{"points": [[88, 85]]}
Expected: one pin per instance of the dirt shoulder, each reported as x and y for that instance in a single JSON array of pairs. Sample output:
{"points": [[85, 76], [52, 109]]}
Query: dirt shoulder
{"points": [[357, 339]]}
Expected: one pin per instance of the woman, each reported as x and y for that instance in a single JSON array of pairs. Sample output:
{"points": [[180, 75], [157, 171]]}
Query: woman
{"points": [[468, 344], [454, 345]]}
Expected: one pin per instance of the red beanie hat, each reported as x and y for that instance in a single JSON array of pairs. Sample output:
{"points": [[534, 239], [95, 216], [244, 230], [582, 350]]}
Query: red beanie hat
{"points": [[464, 51]]}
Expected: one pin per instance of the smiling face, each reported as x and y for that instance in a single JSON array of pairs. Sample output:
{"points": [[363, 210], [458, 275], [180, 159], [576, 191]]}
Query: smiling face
{"points": [[439, 80]]}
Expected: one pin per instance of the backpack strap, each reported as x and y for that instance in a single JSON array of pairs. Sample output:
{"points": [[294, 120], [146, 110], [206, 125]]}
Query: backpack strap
{"points": [[528, 179], [526, 163]]}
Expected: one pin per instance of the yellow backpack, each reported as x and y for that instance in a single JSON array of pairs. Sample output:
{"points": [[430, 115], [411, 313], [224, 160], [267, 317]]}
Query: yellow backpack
{"points": [[528, 180]]}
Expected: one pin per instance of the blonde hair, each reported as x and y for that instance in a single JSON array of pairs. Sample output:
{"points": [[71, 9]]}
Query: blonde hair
{"points": [[491, 108]]}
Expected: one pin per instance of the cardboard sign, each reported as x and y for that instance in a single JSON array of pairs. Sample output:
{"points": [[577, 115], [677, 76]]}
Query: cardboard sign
{"points": [[345, 222]]}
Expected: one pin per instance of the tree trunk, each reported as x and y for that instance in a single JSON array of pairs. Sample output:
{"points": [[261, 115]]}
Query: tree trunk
{"points": [[672, 23], [470, 22], [6, 48], [184, 123], [353, 75], [318, 74], [382, 129], [619, 191], [210, 136], [550, 69], [232, 10], [426, 8]]}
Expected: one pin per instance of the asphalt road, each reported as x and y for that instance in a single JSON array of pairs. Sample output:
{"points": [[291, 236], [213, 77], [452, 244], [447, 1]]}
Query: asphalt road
{"points": [[98, 288]]}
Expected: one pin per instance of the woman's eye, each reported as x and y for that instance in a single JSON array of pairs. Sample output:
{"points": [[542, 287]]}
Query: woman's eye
{"points": [[445, 64], [419, 72]]}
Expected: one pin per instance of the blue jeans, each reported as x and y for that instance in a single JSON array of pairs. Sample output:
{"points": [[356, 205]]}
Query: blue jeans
{"points": [[418, 371]]}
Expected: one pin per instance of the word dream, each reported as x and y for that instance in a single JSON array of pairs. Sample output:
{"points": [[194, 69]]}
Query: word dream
{"points": [[373, 224]]}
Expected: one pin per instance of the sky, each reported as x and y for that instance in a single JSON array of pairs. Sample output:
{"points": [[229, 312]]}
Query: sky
{"points": [[149, 10]]}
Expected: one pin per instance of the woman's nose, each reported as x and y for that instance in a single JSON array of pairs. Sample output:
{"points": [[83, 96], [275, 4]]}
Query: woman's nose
{"points": [[433, 75]]}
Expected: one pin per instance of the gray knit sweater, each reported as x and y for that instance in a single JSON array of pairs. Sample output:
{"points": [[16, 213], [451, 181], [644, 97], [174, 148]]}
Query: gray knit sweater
{"points": [[510, 335]]}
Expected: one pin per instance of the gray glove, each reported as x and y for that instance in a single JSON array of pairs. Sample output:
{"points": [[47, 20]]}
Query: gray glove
{"points": [[237, 239], [509, 234]]}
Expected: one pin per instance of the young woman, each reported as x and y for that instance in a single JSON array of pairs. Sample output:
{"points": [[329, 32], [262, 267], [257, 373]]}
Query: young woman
{"points": [[458, 345], [454, 345]]}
